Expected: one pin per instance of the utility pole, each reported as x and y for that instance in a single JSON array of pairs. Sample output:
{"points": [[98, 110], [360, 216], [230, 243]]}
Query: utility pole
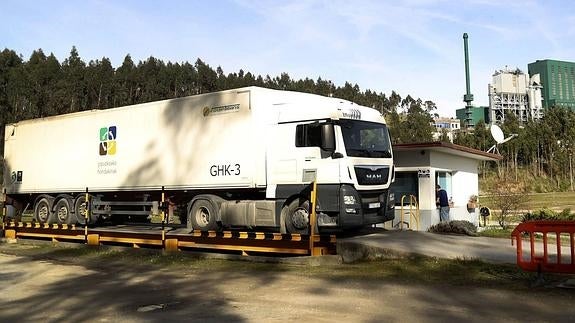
{"points": [[570, 170]]}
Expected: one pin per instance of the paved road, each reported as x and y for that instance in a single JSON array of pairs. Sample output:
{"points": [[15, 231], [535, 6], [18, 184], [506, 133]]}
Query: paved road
{"points": [[381, 243], [52, 291], [433, 245]]}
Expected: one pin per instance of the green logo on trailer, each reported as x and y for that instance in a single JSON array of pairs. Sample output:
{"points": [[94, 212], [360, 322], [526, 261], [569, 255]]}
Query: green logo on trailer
{"points": [[108, 141]]}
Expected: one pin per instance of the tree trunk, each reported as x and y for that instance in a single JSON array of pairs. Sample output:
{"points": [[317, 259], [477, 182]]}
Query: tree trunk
{"points": [[99, 96]]}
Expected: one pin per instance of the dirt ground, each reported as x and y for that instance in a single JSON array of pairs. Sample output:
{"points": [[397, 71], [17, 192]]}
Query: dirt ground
{"points": [[47, 289]]}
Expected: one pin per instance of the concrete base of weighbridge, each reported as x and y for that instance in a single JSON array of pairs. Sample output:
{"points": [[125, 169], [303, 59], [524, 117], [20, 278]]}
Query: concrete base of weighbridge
{"points": [[377, 243]]}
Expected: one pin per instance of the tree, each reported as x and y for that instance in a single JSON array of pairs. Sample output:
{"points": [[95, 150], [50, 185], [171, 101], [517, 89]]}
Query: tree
{"points": [[416, 125], [189, 79], [99, 83], [10, 66], [283, 82], [72, 84], [444, 137], [207, 77], [507, 197], [125, 83]]}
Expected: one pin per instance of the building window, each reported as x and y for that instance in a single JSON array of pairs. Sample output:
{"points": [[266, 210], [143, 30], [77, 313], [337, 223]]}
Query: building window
{"points": [[553, 89], [559, 76], [406, 183]]}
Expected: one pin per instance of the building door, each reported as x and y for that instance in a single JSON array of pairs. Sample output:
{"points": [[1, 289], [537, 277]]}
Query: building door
{"points": [[443, 179]]}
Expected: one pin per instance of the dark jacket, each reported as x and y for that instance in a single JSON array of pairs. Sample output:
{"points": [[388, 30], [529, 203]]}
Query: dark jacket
{"points": [[442, 197]]}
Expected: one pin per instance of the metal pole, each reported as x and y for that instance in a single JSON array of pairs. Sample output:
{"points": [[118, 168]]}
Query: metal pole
{"points": [[466, 53], [163, 212], [312, 220], [4, 211], [570, 170], [86, 215]]}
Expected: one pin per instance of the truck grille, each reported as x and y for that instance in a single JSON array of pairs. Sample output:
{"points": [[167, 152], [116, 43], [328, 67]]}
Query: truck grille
{"points": [[372, 175]]}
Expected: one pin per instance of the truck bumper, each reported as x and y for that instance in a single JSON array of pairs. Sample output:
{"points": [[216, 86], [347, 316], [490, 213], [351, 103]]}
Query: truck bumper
{"points": [[364, 208]]}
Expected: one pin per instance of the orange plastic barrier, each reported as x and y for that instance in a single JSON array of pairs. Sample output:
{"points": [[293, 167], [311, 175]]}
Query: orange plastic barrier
{"points": [[553, 260]]}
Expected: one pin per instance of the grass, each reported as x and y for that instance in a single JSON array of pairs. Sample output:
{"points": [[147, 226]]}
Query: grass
{"points": [[426, 270], [556, 201], [496, 232]]}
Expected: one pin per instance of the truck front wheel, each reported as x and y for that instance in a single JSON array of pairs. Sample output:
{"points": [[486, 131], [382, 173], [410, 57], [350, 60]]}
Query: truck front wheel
{"points": [[296, 216], [202, 216]]}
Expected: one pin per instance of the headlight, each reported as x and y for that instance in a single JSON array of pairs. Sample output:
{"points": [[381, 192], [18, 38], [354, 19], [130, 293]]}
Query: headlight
{"points": [[349, 199], [391, 198]]}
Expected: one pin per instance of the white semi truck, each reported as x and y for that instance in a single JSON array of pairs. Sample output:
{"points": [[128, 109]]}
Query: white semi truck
{"points": [[235, 158]]}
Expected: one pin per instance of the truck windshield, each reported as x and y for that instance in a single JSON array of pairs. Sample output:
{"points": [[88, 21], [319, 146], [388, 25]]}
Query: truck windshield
{"points": [[365, 139]]}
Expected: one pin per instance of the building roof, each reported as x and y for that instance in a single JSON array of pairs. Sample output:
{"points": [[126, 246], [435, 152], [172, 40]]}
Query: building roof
{"points": [[449, 148], [551, 61]]}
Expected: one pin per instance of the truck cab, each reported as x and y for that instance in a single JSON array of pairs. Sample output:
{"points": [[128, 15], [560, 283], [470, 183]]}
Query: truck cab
{"points": [[346, 150]]}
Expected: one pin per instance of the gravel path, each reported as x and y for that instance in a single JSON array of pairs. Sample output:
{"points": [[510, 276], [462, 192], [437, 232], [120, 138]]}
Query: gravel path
{"points": [[33, 290]]}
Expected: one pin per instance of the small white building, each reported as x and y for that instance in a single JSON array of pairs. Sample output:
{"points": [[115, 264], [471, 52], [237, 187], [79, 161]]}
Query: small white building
{"points": [[419, 167]]}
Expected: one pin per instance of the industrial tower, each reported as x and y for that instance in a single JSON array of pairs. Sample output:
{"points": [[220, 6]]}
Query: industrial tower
{"points": [[468, 97]]}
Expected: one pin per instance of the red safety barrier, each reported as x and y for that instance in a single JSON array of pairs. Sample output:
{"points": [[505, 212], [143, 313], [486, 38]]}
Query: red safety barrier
{"points": [[546, 261]]}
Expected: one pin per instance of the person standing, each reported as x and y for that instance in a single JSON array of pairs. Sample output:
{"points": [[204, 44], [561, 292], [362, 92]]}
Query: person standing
{"points": [[442, 201]]}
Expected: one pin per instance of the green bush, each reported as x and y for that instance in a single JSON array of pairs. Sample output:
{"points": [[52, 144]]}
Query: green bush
{"points": [[456, 226], [549, 215]]}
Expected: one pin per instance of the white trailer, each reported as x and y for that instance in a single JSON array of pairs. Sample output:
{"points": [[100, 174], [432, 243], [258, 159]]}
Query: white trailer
{"points": [[242, 157]]}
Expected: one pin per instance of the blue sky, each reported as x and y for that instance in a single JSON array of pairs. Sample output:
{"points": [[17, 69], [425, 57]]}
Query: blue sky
{"points": [[411, 46]]}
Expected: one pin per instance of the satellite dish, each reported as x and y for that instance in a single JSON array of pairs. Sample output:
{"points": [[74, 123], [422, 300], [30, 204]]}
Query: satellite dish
{"points": [[499, 138], [497, 133]]}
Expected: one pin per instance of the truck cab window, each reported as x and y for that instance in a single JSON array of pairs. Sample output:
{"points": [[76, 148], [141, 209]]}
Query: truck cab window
{"points": [[308, 135], [366, 139]]}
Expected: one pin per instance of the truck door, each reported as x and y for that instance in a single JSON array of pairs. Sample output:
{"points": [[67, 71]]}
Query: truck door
{"points": [[295, 158], [315, 147]]}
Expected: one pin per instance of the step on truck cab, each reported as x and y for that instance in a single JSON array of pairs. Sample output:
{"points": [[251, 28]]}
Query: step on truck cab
{"points": [[237, 158]]}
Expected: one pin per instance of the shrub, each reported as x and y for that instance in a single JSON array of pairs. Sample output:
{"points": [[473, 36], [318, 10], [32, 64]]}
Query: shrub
{"points": [[456, 226], [549, 215]]}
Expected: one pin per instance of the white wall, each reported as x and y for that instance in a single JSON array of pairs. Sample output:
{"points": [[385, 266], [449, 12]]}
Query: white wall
{"points": [[510, 83], [467, 184]]}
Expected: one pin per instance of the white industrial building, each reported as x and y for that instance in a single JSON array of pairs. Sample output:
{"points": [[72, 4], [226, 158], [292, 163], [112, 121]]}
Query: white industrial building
{"points": [[513, 91]]}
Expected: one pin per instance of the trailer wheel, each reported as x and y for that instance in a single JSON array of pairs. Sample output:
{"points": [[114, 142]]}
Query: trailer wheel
{"points": [[202, 216], [80, 209], [63, 212], [296, 216], [42, 211]]}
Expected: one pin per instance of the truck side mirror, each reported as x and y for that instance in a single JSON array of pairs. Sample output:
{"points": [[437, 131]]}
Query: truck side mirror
{"points": [[327, 137]]}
